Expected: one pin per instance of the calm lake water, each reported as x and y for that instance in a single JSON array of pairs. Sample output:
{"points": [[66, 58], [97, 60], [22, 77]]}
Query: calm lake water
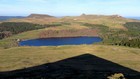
{"points": [[60, 41]]}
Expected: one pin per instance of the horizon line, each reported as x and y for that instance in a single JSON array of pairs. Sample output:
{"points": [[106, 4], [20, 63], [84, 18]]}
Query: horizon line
{"points": [[64, 15]]}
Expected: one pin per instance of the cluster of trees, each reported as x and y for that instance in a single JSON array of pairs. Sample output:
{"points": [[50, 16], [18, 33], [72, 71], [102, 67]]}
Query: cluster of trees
{"points": [[118, 36], [10, 28], [101, 28], [130, 38], [97, 26], [121, 38], [18, 27], [5, 34], [133, 28], [133, 35], [130, 43], [55, 24]]}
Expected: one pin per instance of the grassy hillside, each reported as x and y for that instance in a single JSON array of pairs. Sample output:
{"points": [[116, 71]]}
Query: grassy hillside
{"points": [[112, 21], [20, 57], [24, 57]]}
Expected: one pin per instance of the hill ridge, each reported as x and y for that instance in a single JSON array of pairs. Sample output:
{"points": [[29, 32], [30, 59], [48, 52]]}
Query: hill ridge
{"points": [[39, 16]]}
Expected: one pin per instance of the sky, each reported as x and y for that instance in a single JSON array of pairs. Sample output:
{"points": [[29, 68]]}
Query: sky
{"points": [[69, 7]]}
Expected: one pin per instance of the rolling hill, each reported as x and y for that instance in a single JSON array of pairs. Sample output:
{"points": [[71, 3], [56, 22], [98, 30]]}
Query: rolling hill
{"points": [[112, 21]]}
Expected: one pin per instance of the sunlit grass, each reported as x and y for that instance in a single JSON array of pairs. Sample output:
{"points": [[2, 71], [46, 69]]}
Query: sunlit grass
{"points": [[22, 57]]}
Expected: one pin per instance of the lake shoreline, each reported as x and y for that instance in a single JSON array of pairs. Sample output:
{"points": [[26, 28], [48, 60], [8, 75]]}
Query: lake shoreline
{"points": [[57, 41], [58, 37]]}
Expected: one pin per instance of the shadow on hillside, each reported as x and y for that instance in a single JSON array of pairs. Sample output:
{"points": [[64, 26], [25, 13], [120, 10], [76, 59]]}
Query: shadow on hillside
{"points": [[85, 66]]}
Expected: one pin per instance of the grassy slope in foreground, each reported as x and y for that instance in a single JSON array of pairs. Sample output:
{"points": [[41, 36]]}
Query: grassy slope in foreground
{"points": [[23, 57]]}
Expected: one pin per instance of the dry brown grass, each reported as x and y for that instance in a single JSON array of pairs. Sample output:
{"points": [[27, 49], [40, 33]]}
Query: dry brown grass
{"points": [[22, 57]]}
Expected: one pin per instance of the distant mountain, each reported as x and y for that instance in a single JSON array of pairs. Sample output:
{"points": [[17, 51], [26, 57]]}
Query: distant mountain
{"points": [[3, 18], [40, 16], [36, 18]]}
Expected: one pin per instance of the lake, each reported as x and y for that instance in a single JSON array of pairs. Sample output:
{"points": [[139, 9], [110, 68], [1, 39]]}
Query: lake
{"points": [[60, 41]]}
